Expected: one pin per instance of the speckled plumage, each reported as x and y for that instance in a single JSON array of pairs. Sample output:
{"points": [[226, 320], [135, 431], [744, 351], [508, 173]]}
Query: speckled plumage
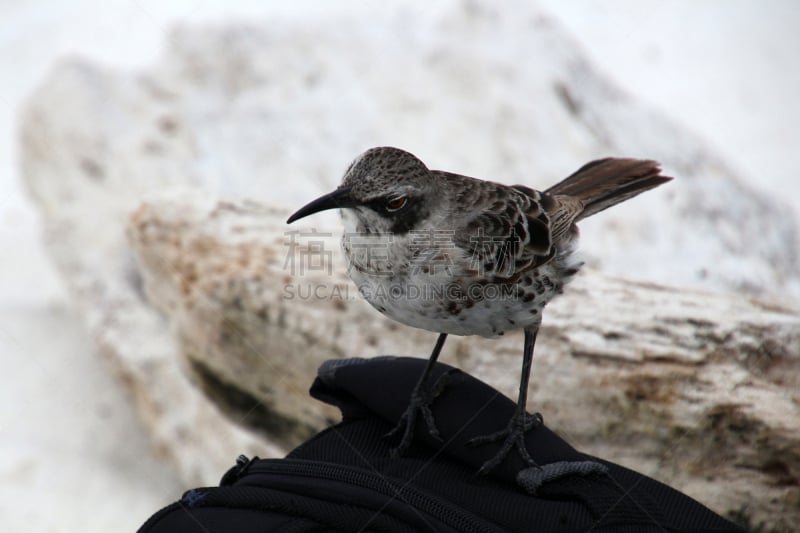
{"points": [[458, 255], [510, 241]]}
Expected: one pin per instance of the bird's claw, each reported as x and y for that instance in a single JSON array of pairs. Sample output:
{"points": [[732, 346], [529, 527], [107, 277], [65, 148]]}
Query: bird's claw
{"points": [[420, 403], [513, 436]]}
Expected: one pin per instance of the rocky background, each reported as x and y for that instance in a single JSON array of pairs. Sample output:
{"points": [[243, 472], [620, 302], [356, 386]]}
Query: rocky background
{"points": [[163, 193]]}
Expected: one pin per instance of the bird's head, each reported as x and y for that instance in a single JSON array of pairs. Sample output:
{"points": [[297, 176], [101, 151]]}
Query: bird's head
{"points": [[387, 190]]}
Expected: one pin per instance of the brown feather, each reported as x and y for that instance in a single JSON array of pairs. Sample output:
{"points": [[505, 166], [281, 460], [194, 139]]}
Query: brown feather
{"points": [[606, 182], [516, 228]]}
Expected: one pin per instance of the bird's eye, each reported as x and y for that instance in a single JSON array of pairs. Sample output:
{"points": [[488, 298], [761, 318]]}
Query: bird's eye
{"points": [[395, 204]]}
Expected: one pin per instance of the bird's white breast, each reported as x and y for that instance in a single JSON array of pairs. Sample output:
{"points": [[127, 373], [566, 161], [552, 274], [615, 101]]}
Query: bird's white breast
{"points": [[442, 297]]}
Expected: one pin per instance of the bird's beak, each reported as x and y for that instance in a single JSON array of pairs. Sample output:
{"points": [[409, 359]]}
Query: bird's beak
{"points": [[338, 198]]}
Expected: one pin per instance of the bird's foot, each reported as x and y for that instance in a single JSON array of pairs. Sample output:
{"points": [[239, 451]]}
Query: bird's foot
{"points": [[419, 404], [513, 436]]}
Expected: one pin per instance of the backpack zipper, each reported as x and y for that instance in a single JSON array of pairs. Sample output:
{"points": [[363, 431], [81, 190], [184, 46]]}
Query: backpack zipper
{"points": [[458, 518]]}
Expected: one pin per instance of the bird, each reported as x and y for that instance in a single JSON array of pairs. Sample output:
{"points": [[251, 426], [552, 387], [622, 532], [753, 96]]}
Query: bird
{"points": [[458, 255]]}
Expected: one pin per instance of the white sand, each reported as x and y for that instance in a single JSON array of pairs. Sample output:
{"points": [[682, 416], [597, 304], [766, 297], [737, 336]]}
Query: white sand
{"points": [[72, 454]]}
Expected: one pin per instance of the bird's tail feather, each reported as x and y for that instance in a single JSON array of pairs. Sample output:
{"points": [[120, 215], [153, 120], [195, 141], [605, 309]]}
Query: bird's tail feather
{"points": [[606, 182]]}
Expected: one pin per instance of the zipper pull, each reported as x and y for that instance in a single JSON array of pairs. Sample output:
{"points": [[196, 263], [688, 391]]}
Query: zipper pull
{"points": [[237, 471]]}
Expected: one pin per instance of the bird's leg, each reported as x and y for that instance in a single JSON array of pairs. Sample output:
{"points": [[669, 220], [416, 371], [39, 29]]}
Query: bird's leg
{"points": [[513, 435], [420, 403]]}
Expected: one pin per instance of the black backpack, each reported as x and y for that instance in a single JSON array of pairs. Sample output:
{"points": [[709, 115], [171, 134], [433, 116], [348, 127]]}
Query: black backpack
{"points": [[344, 479]]}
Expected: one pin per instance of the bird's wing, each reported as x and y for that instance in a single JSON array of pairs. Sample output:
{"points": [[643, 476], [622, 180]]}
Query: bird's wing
{"points": [[508, 230]]}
